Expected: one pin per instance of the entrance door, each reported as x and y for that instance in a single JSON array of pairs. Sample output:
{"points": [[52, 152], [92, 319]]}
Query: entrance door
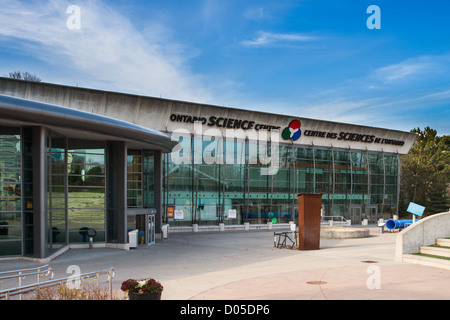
{"points": [[372, 213], [355, 214], [150, 230], [145, 223]]}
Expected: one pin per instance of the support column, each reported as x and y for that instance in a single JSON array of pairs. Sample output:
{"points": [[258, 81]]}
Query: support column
{"points": [[40, 233], [116, 213], [158, 184]]}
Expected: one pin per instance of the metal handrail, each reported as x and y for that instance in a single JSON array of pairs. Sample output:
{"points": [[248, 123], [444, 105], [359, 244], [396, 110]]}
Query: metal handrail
{"points": [[7, 293], [22, 273], [336, 220]]}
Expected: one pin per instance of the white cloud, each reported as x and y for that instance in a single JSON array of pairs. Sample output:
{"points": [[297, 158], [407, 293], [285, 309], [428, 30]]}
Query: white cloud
{"points": [[269, 38], [255, 13], [107, 51], [405, 70]]}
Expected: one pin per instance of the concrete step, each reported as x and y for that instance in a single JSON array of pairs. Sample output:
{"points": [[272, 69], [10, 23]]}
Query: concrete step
{"points": [[436, 251], [427, 261], [443, 242]]}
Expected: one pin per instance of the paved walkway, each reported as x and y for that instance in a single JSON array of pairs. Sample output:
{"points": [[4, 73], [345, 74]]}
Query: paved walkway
{"points": [[241, 265]]}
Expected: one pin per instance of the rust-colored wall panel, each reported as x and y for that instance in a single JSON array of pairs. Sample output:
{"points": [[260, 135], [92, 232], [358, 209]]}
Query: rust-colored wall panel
{"points": [[309, 208]]}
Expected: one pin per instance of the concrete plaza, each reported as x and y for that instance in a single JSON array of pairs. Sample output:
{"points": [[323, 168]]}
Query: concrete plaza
{"points": [[244, 265]]}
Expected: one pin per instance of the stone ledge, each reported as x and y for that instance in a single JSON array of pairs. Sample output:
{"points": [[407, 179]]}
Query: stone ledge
{"points": [[343, 233]]}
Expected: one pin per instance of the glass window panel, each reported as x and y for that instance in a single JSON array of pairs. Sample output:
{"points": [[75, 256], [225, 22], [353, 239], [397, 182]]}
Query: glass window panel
{"points": [[58, 214], [134, 184], [341, 156], [255, 173], [211, 171], [86, 146], [10, 203], [86, 214], [376, 179], [83, 158], [360, 178], [10, 233], [87, 192], [58, 180], [391, 179], [304, 153], [180, 171], [392, 170], [180, 183], [320, 154], [391, 189], [360, 188], [376, 189], [11, 175], [343, 177], [281, 175], [258, 185], [341, 188], [134, 202], [11, 160], [234, 186], [6, 132], [134, 193], [9, 248], [234, 172], [86, 203], [10, 218], [87, 169], [9, 146], [83, 180]]}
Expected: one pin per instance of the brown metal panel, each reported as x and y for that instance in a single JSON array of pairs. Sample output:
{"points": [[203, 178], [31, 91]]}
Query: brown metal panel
{"points": [[309, 208]]}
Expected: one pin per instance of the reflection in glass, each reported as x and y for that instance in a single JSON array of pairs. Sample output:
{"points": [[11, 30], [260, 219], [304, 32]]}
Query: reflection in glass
{"points": [[344, 176]]}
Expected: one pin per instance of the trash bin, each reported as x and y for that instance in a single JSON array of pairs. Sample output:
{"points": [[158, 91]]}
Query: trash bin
{"points": [[133, 238], [381, 227], [165, 230]]}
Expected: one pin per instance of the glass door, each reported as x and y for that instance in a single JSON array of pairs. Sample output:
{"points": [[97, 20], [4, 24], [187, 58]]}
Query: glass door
{"points": [[372, 213], [355, 214], [150, 232]]}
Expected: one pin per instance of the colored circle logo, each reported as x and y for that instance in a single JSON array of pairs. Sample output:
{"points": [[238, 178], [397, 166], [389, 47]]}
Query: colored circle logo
{"points": [[292, 132]]}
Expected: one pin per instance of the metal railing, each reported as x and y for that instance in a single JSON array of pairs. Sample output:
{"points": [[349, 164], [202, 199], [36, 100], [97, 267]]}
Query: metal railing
{"points": [[335, 221], [21, 274], [7, 293]]}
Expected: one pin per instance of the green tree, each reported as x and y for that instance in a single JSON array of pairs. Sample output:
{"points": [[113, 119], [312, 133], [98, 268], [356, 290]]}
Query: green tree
{"points": [[425, 173]]}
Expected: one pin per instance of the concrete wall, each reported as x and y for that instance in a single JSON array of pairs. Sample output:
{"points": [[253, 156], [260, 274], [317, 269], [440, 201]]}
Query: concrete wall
{"points": [[154, 113], [422, 233]]}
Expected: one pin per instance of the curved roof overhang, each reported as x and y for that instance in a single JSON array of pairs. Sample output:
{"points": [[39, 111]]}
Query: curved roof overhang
{"points": [[82, 124]]}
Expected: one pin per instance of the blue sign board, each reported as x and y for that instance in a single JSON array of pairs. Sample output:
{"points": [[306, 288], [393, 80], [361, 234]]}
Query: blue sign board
{"points": [[415, 209]]}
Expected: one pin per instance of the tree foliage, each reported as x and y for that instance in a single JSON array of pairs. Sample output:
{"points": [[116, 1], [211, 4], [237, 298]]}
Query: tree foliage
{"points": [[27, 76], [425, 173]]}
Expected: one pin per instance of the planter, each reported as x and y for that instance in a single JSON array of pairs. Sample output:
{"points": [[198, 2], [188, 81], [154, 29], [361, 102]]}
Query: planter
{"points": [[144, 296]]}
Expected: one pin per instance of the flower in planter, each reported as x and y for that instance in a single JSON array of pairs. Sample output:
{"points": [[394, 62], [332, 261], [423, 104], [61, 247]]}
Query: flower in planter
{"points": [[148, 285]]}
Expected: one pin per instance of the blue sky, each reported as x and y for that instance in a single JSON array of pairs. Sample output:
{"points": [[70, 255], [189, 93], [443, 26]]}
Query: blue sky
{"points": [[311, 58]]}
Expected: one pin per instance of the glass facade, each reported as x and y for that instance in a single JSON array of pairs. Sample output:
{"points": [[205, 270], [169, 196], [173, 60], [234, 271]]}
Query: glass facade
{"points": [[11, 221], [355, 184], [227, 186], [77, 177], [76, 190], [75, 195]]}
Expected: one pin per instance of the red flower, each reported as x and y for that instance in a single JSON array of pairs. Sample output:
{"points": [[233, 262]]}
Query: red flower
{"points": [[148, 285], [129, 284]]}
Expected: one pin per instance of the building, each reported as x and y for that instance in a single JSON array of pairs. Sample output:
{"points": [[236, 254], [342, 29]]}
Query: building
{"points": [[76, 158]]}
